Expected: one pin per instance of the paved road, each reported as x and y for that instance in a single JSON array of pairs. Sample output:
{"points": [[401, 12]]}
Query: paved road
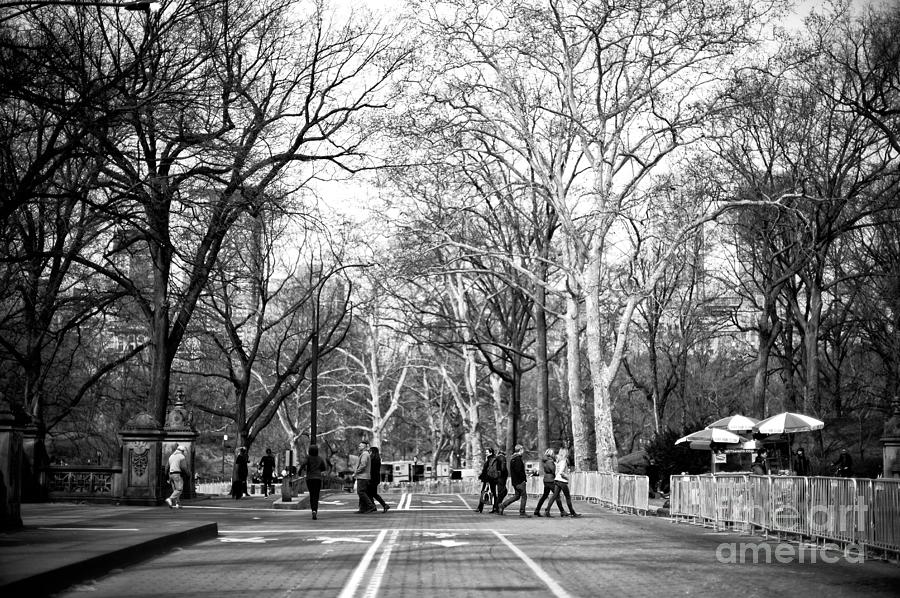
{"points": [[434, 545]]}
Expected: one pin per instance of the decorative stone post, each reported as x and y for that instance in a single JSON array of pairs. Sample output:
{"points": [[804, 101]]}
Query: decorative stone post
{"points": [[180, 430], [142, 464], [34, 464], [891, 442], [10, 469]]}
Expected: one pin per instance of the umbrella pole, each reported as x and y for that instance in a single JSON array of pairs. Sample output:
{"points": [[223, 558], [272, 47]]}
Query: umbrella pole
{"points": [[791, 453]]}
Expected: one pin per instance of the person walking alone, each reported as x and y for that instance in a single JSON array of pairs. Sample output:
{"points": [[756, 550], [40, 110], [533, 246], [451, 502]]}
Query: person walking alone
{"points": [[562, 484], [375, 471], [267, 464], [548, 469], [489, 476], [239, 474], [362, 475], [178, 473], [313, 469], [519, 482]]}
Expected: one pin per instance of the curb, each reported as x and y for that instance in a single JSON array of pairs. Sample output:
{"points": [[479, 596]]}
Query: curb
{"points": [[54, 580]]}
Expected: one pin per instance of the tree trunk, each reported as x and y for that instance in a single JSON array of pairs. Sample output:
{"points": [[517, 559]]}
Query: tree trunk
{"points": [[769, 327], [161, 359], [811, 338], [512, 423], [600, 378], [790, 390], [543, 371], [584, 452], [499, 412]]}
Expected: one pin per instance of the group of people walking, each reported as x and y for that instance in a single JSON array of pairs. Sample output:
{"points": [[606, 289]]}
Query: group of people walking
{"points": [[496, 472], [495, 475]]}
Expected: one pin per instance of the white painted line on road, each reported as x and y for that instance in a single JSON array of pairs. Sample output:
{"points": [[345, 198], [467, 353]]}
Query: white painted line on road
{"points": [[330, 540], [349, 531], [464, 501], [355, 579], [92, 529], [449, 543], [405, 500], [551, 583], [266, 509], [375, 581]]}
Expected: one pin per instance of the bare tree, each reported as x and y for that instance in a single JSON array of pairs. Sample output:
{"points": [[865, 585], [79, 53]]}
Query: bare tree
{"points": [[264, 317], [231, 99], [613, 89]]}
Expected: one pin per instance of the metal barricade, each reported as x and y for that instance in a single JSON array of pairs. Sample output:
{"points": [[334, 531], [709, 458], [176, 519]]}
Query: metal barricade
{"points": [[617, 491], [789, 512], [708, 511], [679, 497], [883, 515], [732, 500], [843, 510], [760, 514], [609, 490], [633, 493], [834, 509]]}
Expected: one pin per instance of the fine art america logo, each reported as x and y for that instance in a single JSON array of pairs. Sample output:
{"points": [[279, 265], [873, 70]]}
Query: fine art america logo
{"points": [[819, 521], [770, 552]]}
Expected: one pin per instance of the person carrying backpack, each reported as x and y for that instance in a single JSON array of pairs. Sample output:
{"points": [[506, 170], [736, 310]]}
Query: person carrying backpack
{"points": [[502, 490], [490, 474]]}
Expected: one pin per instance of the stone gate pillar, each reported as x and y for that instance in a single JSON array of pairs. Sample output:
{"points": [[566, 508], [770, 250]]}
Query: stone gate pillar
{"points": [[34, 463], [10, 469], [890, 442], [142, 464], [180, 430]]}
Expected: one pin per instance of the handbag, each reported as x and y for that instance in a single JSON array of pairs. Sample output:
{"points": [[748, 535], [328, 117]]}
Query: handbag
{"points": [[486, 495]]}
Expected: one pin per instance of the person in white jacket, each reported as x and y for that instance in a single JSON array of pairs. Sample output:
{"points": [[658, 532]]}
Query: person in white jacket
{"points": [[562, 480], [178, 473]]}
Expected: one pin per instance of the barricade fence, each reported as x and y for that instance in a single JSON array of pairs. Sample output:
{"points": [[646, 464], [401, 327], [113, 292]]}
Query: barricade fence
{"points": [[847, 511], [618, 491]]}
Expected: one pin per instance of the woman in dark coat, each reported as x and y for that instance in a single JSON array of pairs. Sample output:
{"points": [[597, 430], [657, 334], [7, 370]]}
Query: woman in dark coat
{"points": [[375, 478], [239, 474], [548, 469], [313, 468]]}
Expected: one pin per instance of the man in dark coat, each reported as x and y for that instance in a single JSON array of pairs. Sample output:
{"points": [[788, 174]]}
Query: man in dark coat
{"points": [[489, 476], [519, 482], [239, 474], [502, 477], [267, 464], [844, 464], [801, 463]]}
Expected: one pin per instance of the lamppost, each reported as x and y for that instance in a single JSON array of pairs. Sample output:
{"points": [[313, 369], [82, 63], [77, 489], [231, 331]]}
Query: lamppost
{"points": [[224, 444]]}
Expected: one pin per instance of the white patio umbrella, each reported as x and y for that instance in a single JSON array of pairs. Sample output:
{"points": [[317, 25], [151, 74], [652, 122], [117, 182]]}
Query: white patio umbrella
{"points": [[703, 438], [711, 435], [735, 423], [788, 423]]}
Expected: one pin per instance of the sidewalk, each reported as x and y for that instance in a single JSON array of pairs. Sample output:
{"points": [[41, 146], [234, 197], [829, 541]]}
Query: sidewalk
{"points": [[61, 544]]}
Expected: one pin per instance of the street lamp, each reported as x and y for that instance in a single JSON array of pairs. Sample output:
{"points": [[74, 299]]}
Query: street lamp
{"points": [[224, 444]]}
